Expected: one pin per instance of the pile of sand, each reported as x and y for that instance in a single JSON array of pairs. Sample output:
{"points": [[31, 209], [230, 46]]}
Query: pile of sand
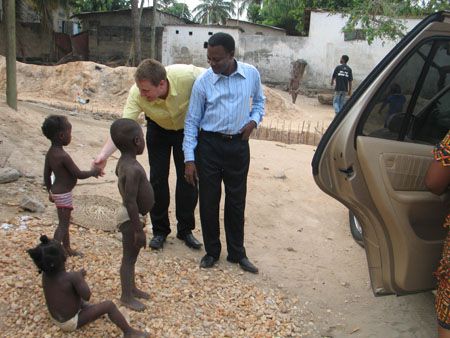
{"points": [[105, 87]]}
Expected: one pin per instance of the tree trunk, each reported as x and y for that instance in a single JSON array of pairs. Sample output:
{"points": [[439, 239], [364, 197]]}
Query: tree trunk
{"points": [[11, 84], [153, 31], [136, 31]]}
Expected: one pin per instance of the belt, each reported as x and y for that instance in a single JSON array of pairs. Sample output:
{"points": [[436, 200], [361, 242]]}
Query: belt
{"points": [[222, 135]]}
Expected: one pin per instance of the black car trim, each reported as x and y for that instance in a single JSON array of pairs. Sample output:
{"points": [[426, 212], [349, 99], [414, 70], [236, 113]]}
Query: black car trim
{"points": [[367, 82], [417, 90], [428, 61]]}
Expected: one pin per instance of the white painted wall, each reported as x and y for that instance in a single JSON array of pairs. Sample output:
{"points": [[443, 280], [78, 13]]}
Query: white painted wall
{"points": [[273, 55], [187, 46]]}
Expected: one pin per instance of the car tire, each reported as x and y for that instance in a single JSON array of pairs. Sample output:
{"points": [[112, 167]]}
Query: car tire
{"points": [[355, 229]]}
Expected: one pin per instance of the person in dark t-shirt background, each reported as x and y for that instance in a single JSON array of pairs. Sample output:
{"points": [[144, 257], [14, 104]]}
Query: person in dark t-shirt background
{"points": [[343, 77]]}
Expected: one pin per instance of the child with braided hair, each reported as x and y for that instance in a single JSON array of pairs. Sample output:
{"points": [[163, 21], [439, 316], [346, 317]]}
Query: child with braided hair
{"points": [[67, 293]]}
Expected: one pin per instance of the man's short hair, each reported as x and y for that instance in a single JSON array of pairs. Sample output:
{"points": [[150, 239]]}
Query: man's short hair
{"points": [[150, 70], [345, 58], [123, 131], [222, 39]]}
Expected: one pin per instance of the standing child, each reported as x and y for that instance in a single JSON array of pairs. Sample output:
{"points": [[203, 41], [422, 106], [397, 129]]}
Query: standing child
{"points": [[59, 131], [67, 293], [138, 200], [343, 77]]}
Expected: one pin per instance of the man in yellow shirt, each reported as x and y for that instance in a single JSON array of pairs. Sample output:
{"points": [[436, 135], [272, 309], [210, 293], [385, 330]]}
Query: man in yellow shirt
{"points": [[162, 94]]}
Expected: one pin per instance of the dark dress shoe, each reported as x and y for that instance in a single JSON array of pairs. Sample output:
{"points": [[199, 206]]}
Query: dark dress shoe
{"points": [[245, 264], [190, 241], [157, 242], [207, 261]]}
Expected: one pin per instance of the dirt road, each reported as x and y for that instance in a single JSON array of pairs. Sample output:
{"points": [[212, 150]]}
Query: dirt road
{"points": [[298, 236]]}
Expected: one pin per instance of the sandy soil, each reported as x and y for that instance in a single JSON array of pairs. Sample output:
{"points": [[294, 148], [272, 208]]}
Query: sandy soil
{"points": [[298, 236]]}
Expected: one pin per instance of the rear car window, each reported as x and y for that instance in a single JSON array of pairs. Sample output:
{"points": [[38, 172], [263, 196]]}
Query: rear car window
{"points": [[413, 105]]}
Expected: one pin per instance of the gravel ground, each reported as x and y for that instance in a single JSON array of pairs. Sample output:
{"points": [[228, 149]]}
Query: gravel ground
{"points": [[186, 301]]}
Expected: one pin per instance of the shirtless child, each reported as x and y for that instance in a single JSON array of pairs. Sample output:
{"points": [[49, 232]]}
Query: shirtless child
{"points": [[59, 131], [138, 200], [67, 293]]}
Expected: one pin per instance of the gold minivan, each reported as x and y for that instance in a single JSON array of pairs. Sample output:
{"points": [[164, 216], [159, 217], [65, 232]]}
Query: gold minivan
{"points": [[374, 156]]}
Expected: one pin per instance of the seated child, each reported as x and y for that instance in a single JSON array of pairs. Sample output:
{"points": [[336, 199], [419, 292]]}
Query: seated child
{"points": [[58, 130], [67, 293], [138, 200]]}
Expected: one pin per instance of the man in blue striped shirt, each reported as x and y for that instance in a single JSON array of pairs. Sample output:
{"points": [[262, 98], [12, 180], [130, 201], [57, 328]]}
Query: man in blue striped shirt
{"points": [[227, 103]]}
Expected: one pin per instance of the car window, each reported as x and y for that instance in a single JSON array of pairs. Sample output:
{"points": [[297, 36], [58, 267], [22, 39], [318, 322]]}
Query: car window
{"points": [[432, 123], [396, 109]]}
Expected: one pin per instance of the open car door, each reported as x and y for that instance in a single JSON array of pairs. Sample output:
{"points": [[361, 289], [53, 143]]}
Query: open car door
{"points": [[374, 157]]}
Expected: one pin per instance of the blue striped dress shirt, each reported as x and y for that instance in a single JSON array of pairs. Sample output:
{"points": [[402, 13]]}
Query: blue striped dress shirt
{"points": [[223, 104]]}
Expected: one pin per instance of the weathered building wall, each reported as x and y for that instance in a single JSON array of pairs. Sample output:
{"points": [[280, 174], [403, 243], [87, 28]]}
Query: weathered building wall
{"points": [[249, 28], [273, 55], [185, 44], [32, 42], [110, 33]]}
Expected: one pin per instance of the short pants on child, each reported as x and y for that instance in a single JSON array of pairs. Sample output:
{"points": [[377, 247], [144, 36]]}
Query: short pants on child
{"points": [[122, 217], [69, 325], [63, 201]]}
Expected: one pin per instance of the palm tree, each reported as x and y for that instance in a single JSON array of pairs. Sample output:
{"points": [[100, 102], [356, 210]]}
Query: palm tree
{"points": [[213, 11], [242, 5]]}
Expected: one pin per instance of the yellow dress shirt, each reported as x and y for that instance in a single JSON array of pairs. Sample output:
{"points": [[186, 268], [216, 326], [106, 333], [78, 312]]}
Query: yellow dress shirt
{"points": [[168, 113]]}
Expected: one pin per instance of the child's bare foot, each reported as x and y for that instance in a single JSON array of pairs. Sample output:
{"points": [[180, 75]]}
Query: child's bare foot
{"points": [[140, 294], [136, 334], [133, 304]]}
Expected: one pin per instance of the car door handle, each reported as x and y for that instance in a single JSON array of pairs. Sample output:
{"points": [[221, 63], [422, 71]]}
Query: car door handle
{"points": [[347, 171]]}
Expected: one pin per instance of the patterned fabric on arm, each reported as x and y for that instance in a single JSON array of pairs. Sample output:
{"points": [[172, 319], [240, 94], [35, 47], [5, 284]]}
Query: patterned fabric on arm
{"points": [[442, 304], [442, 151]]}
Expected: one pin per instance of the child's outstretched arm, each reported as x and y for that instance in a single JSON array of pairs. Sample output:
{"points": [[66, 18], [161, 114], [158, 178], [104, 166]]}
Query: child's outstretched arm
{"points": [[80, 284], [70, 165]]}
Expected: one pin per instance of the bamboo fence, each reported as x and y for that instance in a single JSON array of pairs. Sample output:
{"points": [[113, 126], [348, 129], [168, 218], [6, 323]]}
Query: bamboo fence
{"points": [[290, 132]]}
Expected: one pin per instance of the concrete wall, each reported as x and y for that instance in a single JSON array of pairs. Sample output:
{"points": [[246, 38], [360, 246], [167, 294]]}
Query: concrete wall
{"points": [[185, 44], [33, 44], [110, 33], [273, 55], [249, 28]]}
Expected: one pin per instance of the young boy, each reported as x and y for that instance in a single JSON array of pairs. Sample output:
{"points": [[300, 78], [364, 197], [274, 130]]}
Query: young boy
{"points": [[138, 200], [59, 131], [67, 293]]}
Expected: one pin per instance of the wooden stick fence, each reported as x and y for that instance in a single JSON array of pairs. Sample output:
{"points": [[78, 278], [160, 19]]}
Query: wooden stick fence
{"points": [[304, 132]]}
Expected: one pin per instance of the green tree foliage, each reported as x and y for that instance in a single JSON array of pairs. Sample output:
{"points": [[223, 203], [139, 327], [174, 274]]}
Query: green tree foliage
{"points": [[383, 19], [254, 13], [80, 6], [180, 10], [375, 18], [243, 5], [213, 11], [174, 7]]}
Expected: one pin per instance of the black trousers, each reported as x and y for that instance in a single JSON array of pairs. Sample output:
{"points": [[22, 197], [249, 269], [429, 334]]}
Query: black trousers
{"points": [[222, 159], [160, 143]]}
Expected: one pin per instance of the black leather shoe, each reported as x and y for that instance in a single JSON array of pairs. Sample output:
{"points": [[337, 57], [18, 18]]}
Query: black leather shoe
{"points": [[207, 261], [245, 264], [157, 242], [190, 241]]}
